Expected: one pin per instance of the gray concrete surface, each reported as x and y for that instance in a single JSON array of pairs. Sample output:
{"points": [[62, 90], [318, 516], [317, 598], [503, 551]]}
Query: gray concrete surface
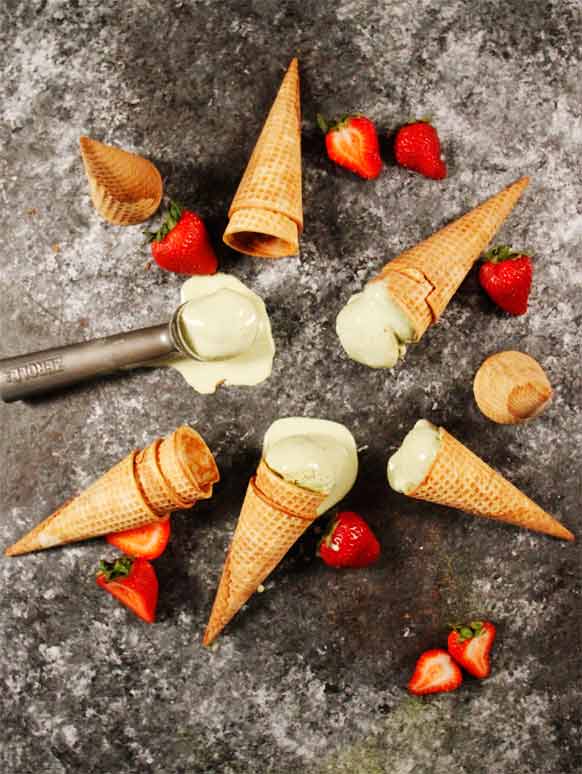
{"points": [[311, 676]]}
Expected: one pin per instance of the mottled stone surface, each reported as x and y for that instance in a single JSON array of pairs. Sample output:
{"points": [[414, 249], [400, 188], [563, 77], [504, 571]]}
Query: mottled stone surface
{"points": [[311, 675]]}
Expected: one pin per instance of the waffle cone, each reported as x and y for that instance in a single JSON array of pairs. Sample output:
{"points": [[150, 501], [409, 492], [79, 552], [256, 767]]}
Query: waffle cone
{"points": [[112, 504], [125, 188], [266, 214], [265, 532], [188, 466], [424, 278], [460, 479], [511, 387], [158, 493]]}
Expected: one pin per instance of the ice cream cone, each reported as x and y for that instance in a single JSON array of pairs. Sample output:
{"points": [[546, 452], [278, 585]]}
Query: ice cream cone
{"points": [[511, 387], [133, 493], [266, 214], [266, 530], [125, 188], [112, 504], [188, 465], [460, 479], [424, 278]]}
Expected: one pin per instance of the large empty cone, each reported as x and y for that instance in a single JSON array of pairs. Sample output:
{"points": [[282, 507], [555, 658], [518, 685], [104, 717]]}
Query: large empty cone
{"points": [[274, 515], [125, 188], [132, 494], [423, 279], [266, 214], [511, 387], [460, 479]]}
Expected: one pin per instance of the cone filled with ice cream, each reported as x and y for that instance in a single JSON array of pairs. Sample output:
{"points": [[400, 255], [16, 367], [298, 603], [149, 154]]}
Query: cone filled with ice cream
{"points": [[432, 465], [143, 488], [125, 188], [307, 466], [412, 290], [266, 214]]}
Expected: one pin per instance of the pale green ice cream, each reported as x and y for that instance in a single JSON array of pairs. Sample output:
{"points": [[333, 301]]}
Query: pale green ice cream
{"points": [[409, 465], [221, 325], [373, 329], [313, 453]]}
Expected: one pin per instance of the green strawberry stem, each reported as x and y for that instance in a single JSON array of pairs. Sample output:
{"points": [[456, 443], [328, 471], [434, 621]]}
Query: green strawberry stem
{"points": [[468, 631], [502, 253], [171, 221], [322, 123], [120, 568]]}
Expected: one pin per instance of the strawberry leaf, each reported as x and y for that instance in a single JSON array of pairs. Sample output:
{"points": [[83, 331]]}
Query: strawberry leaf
{"points": [[171, 221], [120, 568], [502, 253]]}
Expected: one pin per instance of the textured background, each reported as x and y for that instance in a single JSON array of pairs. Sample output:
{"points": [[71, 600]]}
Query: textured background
{"points": [[311, 676]]}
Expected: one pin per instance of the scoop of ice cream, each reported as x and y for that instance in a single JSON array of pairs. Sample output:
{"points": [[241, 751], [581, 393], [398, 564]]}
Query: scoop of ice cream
{"points": [[409, 465], [220, 325], [304, 461], [372, 328], [314, 453]]}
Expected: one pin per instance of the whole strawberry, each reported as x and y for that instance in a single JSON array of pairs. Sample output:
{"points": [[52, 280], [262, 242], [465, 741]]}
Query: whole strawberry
{"points": [[352, 142], [417, 147], [181, 244], [349, 542], [506, 276], [470, 646]]}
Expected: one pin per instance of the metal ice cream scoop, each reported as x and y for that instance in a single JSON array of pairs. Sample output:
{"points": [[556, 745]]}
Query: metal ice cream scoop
{"points": [[38, 372]]}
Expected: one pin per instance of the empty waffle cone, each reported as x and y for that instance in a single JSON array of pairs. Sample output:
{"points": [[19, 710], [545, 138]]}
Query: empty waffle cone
{"points": [[511, 387], [112, 504], [274, 515], [424, 278], [125, 188], [188, 465], [460, 479], [266, 214]]}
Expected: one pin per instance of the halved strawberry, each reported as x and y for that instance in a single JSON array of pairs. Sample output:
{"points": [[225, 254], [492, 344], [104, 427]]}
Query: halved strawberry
{"points": [[352, 142], [146, 542], [470, 646], [435, 672], [133, 582]]}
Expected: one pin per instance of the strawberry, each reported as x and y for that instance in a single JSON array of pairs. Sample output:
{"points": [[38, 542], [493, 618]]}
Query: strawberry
{"points": [[470, 646], [349, 542], [417, 147], [352, 142], [146, 542], [133, 582], [506, 276], [181, 244], [435, 672]]}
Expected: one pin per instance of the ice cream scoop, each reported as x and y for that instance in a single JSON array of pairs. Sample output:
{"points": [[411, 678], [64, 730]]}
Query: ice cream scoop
{"points": [[408, 467], [218, 327], [373, 329], [315, 454]]}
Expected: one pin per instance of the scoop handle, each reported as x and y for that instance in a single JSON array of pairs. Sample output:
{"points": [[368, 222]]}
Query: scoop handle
{"points": [[39, 372]]}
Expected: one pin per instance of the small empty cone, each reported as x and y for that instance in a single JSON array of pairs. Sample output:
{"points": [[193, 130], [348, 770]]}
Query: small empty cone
{"points": [[460, 479], [188, 465], [125, 188], [511, 387], [266, 214], [112, 504], [424, 278], [264, 533]]}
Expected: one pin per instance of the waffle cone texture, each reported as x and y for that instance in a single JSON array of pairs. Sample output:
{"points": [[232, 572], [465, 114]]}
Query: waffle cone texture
{"points": [[274, 515], [266, 214], [511, 387], [423, 279], [125, 188], [460, 479], [137, 491]]}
